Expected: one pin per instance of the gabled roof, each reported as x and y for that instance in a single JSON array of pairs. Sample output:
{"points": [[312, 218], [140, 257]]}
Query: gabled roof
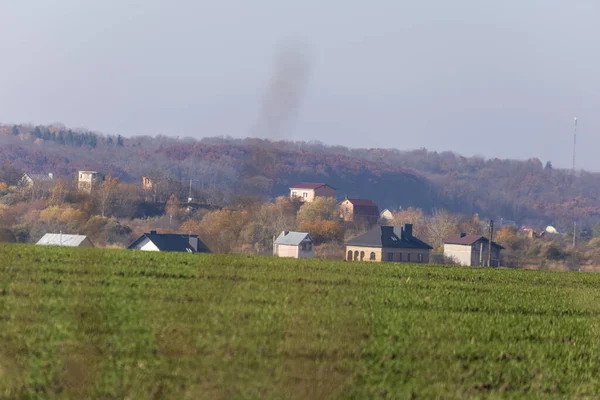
{"points": [[468, 240], [292, 238], [388, 236], [309, 185], [58, 239], [172, 242], [362, 202]]}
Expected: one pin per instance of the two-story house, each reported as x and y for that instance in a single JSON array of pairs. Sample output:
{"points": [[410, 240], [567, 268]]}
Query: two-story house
{"points": [[359, 210], [308, 191]]}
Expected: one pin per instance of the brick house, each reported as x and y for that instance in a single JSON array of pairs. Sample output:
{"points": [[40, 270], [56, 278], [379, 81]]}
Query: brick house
{"points": [[388, 244], [359, 210]]}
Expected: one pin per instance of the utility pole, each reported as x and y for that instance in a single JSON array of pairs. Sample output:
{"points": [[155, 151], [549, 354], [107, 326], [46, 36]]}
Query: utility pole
{"points": [[574, 233], [489, 263], [574, 141]]}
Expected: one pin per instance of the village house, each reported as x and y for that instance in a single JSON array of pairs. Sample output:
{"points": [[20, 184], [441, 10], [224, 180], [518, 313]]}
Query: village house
{"points": [[60, 239], [471, 250], [388, 244], [294, 245], [176, 242], [308, 191], [88, 180], [359, 210]]}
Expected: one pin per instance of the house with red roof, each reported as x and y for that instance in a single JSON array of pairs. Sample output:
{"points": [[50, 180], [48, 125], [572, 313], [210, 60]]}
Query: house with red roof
{"points": [[471, 250], [359, 210], [308, 191]]}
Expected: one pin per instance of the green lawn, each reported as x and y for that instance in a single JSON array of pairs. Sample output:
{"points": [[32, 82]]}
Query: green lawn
{"points": [[116, 324]]}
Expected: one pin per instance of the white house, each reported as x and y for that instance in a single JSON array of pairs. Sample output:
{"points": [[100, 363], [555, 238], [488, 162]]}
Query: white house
{"points": [[177, 242], [294, 245], [471, 250], [60, 239]]}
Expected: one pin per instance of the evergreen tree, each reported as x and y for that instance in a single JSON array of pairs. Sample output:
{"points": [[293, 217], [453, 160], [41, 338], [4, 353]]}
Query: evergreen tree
{"points": [[119, 140], [15, 130]]}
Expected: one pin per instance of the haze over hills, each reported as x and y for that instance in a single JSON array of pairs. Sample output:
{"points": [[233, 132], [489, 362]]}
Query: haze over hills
{"points": [[223, 169]]}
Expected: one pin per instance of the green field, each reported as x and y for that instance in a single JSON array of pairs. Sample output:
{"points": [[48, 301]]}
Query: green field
{"points": [[116, 324]]}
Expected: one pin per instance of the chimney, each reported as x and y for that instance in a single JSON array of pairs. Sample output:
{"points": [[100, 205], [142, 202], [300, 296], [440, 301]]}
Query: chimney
{"points": [[462, 234], [285, 233], [407, 231], [153, 232]]}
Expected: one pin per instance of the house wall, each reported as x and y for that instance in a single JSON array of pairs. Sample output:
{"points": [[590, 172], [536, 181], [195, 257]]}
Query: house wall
{"points": [[86, 243], [147, 245], [86, 181], [346, 210], [460, 253], [324, 191], [284, 250], [310, 194], [381, 254]]}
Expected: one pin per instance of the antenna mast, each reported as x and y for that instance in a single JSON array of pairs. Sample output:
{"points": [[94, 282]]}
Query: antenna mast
{"points": [[574, 141]]}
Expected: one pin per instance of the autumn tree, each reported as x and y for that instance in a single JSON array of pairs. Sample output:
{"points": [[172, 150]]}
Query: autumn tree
{"points": [[106, 194], [440, 225]]}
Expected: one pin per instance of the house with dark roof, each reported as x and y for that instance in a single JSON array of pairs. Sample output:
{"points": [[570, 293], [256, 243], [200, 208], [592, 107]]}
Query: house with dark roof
{"points": [[388, 244], [294, 245], [471, 250], [359, 210], [308, 191], [177, 242]]}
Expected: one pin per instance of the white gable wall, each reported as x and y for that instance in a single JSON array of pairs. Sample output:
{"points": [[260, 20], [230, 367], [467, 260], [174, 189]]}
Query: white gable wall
{"points": [[147, 245]]}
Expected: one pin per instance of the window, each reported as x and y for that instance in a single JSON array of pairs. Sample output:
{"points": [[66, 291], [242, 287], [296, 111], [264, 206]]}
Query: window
{"points": [[390, 256], [349, 255], [408, 257], [306, 246], [372, 256], [420, 257], [305, 194], [294, 194], [362, 255]]}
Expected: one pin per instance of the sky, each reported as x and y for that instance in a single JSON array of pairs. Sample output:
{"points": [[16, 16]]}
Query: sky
{"points": [[491, 78]]}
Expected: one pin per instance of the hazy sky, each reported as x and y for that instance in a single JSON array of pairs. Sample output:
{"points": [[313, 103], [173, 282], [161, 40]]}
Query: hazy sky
{"points": [[493, 78]]}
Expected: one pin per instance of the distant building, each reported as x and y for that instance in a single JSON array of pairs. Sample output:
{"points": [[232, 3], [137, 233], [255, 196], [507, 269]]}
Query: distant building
{"points": [[176, 242], [388, 244], [359, 210], [294, 245], [146, 183], [31, 180], [308, 191], [386, 214], [471, 250], [88, 180], [60, 239]]}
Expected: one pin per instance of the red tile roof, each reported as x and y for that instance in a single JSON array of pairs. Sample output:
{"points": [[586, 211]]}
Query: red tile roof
{"points": [[308, 185]]}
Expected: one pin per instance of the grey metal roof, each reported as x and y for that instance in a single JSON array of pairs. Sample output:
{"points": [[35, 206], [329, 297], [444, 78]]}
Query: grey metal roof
{"points": [[292, 238], [57, 239], [389, 237]]}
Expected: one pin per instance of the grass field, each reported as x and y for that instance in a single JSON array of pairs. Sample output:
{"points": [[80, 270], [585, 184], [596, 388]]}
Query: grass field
{"points": [[116, 324]]}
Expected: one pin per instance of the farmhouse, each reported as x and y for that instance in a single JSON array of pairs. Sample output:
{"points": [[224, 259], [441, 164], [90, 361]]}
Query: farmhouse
{"points": [[388, 244], [60, 239], [359, 210], [471, 250], [154, 241], [293, 244], [308, 191]]}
